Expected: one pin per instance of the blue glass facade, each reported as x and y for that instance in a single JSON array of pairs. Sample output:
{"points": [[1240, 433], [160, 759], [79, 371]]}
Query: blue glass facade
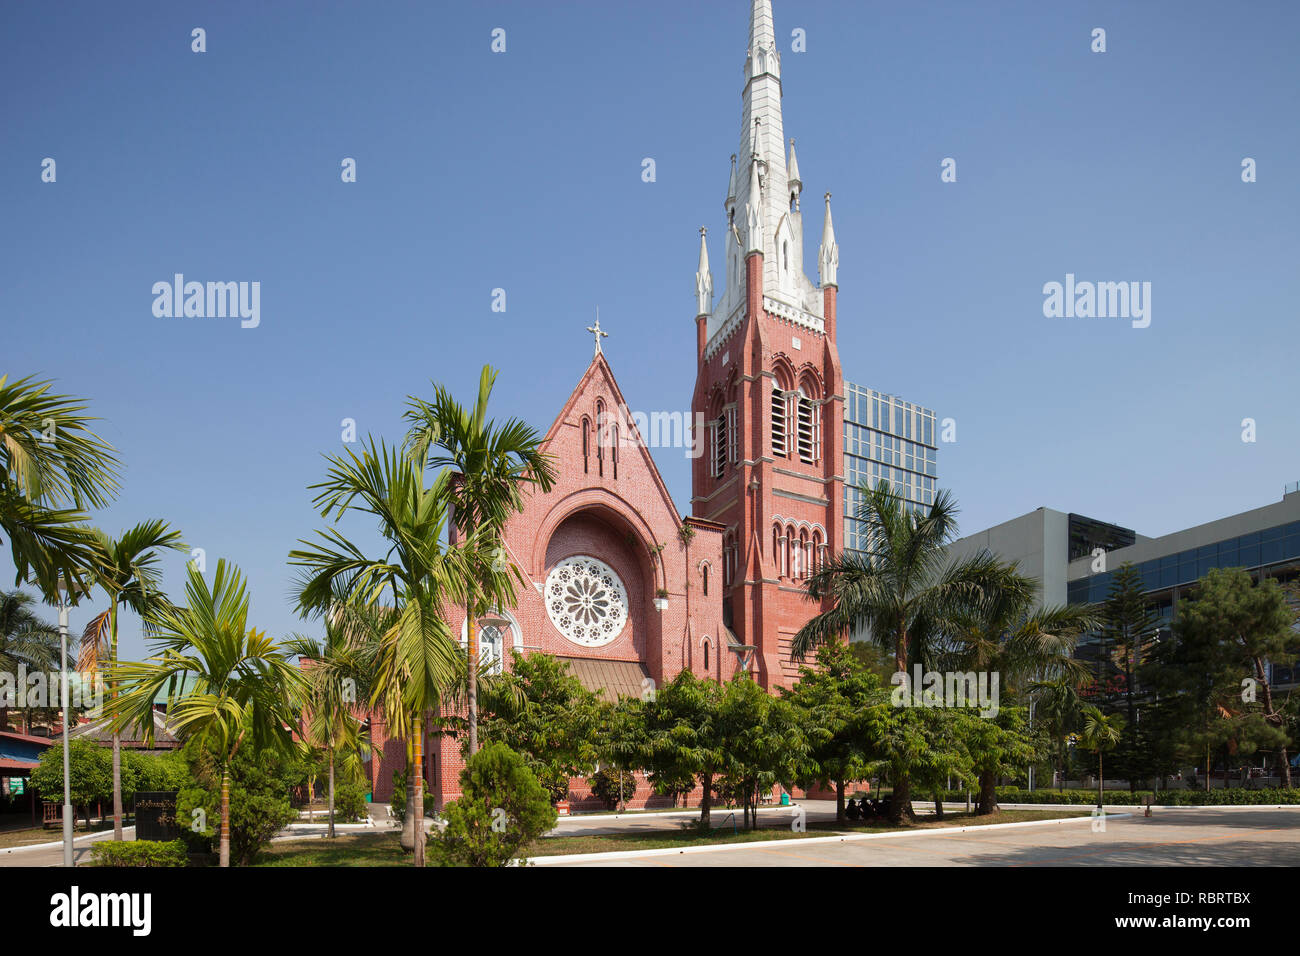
{"points": [[886, 439], [1250, 551]]}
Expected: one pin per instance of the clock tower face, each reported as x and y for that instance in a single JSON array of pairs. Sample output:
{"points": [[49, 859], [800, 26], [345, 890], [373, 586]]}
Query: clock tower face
{"points": [[586, 601]]}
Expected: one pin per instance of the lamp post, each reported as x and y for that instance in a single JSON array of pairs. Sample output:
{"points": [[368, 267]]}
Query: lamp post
{"points": [[63, 703]]}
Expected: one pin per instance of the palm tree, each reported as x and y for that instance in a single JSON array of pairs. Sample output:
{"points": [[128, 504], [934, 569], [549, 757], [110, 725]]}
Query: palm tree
{"points": [[1005, 634], [1101, 733], [416, 660], [903, 591], [243, 687], [338, 678], [127, 570], [25, 641], [493, 464], [1061, 709], [52, 468]]}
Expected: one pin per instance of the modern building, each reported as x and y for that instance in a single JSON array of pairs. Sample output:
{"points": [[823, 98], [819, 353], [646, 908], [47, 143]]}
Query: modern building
{"points": [[1076, 557], [1043, 543], [886, 439]]}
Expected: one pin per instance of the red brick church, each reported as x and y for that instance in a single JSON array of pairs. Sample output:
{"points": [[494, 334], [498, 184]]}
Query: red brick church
{"points": [[616, 587]]}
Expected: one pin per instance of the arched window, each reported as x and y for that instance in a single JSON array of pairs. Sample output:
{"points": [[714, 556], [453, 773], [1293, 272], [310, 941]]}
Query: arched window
{"points": [[586, 443], [600, 438], [613, 449], [706, 655], [704, 580]]}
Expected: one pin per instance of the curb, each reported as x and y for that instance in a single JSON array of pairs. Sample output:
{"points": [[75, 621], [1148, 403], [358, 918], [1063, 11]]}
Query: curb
{"points": [[58, 844]]}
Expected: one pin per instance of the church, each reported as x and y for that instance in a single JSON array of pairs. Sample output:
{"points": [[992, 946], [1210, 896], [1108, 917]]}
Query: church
{"points": [[624, 585]]}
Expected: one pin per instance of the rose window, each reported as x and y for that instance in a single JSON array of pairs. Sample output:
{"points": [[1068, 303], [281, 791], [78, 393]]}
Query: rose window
{"points": [[586, 601]]}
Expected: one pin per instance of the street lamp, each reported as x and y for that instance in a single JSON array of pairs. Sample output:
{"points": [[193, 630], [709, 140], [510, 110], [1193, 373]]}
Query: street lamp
{"points": [[68, 594]]}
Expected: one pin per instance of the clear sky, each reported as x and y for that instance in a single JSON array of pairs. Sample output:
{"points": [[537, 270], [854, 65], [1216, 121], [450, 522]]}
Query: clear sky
{"points": [[522, 171]]}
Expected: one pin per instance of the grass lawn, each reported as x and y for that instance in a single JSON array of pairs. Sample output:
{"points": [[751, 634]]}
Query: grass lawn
{"points": [[383, 849], [29, 835], [363, 849]]}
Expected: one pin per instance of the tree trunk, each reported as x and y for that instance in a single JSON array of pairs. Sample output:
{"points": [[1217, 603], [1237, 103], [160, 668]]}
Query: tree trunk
{"points": [[902, 798], [117, 786], [224, 846], [938, 804], [1101, 779], [839, 801], [416, 810], [331, 829], [408, 821], [117, 738], [471, 628], [706, 802], [988, 802]]}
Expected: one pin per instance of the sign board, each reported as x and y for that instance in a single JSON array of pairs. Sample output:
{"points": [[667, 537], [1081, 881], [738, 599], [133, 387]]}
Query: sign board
{"points": [[155, 815]]}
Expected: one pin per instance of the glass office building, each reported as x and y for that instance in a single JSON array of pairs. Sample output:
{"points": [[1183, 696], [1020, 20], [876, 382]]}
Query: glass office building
{"points": [[886, 439]]}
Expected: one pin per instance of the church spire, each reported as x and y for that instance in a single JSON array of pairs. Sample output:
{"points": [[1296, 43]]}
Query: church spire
{"points": [[762, 132], [796, 184], [828, 257], [703, 279]]}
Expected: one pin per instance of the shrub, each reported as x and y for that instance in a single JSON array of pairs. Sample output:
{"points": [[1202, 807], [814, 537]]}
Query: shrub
{"points": [[259, 802], [605, 782], [138, 853], [350, 804], [502, 808], [397, 803]]}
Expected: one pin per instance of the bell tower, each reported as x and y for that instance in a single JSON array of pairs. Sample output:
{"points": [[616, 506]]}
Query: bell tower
{"points": [[769, 386]]}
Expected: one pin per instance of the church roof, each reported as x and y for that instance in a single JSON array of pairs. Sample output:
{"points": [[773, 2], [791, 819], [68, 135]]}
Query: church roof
{"points": [[609, 680]]}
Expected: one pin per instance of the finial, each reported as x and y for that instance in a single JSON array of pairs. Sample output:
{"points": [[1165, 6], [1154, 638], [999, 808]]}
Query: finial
{"points": [[596, 331]]}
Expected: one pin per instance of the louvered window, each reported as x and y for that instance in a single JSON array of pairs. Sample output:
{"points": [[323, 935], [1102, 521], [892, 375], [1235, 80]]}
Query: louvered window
{"points": [[807, 430], [779, 404]]}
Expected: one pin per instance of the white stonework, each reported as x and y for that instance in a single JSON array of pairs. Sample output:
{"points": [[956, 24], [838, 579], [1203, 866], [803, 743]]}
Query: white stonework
{"points": [[763, 195]]}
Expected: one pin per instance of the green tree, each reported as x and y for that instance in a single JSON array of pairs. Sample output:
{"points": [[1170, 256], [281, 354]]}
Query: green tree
{"points": [[337, 677], [52, 468], [1100, 734], [1060, 708], [90, 775], [843, 708], [763, 743], [494, 465], [998, 746], [26, 641], [502, 808], [1128, 635], [1004, 634], [1251, 624], [684, 738], [249, 793], [243, 689], [417, 661], [126, 569], [544, 714], [902, 591]]}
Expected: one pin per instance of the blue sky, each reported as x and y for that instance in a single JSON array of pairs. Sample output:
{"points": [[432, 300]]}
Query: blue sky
{"points": [[522, 171]]}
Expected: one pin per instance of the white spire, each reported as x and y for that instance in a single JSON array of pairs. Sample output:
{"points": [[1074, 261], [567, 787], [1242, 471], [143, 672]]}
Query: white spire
{"points": [[796, 184], [754, 211], [731, 189], [828, 257], [703, 279]]}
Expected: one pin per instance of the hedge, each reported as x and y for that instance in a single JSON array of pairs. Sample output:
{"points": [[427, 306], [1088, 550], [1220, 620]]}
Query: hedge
{"points": [[138, 853]]}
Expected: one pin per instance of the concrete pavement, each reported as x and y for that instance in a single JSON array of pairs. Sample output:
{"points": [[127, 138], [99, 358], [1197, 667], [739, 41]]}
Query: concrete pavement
{"points": [[1201, 837]]}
